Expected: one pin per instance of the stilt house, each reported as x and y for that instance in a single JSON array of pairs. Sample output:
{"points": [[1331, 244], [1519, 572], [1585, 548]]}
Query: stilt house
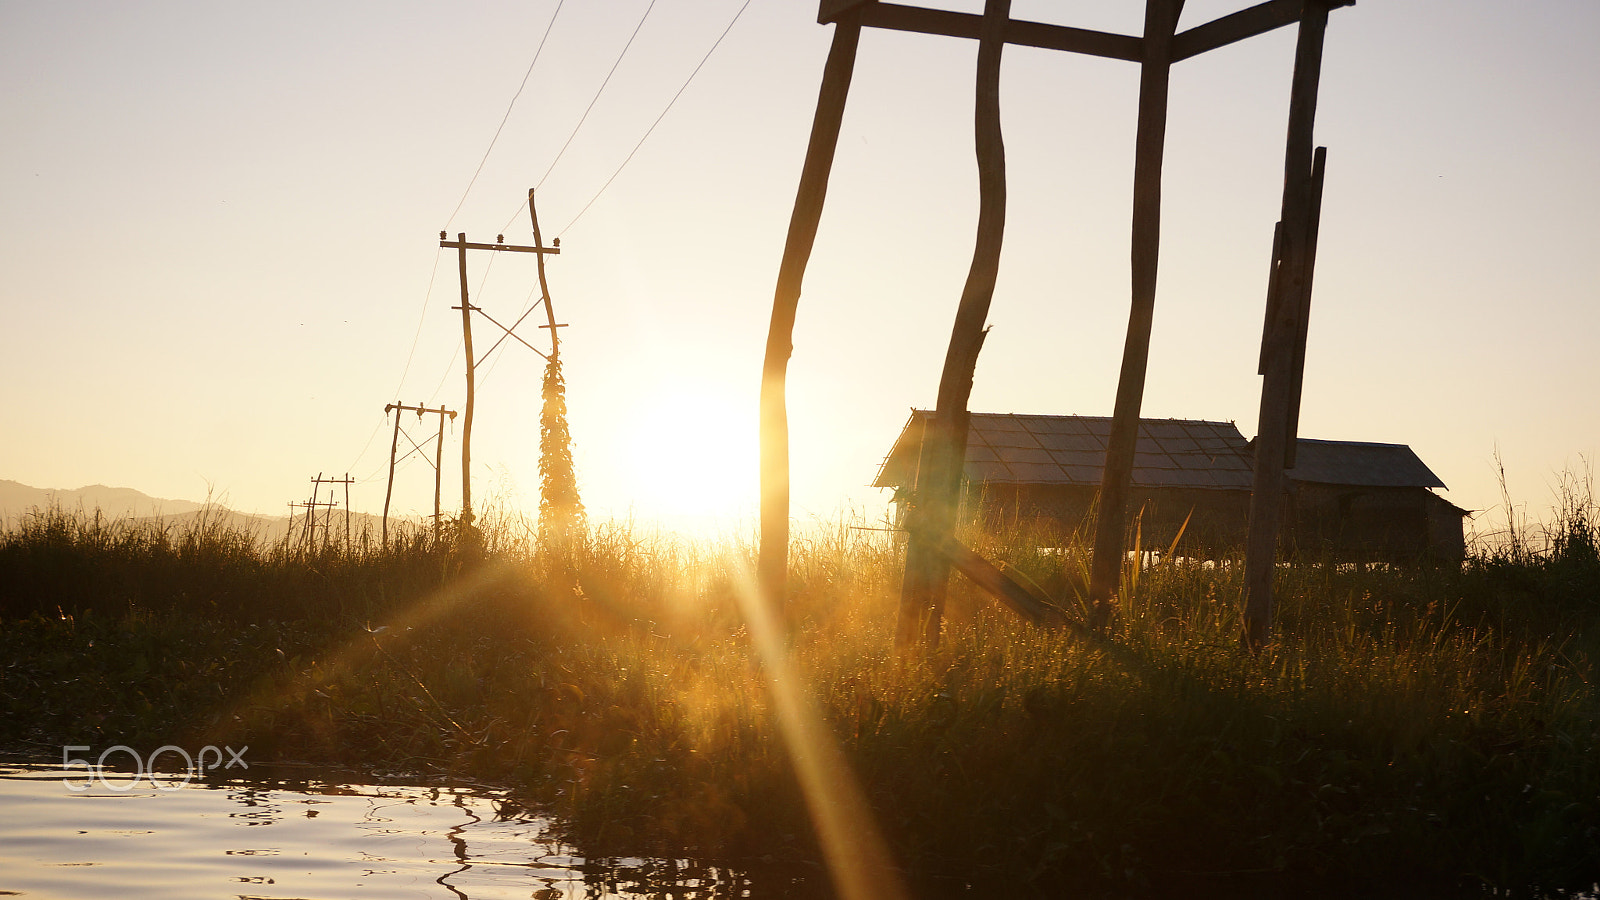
{"points": [[1344, 499]]}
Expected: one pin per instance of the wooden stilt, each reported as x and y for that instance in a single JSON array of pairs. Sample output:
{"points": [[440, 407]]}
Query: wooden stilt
{"points": [[1160, 22], [1279, 353], [944, 443], [773, 562]]}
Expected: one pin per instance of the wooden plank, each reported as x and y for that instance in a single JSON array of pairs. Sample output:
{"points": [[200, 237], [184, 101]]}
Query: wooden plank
{"points": [[895, 17], [933, 507], [465, 244], [1246, 23], [1308, 263], [772, 564], [1001, 586], [1272, 296], [1266, 497], [829, 11], [1105, 574]]}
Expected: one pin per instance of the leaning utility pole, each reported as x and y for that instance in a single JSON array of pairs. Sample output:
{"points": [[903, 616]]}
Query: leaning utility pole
{"points": [[438, 458], [462, 245]]}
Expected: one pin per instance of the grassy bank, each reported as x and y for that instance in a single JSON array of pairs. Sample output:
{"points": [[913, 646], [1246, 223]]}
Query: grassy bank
{"points": [[1410, 729]]}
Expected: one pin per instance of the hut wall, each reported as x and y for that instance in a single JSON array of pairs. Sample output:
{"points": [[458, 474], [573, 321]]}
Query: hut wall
{"points": [[1210, 521], [1389, 524]]}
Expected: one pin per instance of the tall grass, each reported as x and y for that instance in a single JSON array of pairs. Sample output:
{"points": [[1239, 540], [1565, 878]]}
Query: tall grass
{"points": [[1409, 728]]}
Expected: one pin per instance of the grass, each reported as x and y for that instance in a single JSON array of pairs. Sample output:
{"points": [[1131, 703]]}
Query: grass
{"points": [[1410, 730]]}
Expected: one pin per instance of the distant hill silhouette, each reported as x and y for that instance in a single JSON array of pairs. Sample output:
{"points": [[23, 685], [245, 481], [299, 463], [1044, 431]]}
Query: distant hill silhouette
{"points": [[17, 500]]}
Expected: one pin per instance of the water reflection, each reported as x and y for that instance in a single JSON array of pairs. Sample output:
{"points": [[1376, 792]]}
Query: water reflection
{"points": [[298, 837]]}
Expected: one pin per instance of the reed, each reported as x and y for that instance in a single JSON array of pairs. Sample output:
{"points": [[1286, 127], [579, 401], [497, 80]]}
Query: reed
{"points": [[1410, 728]]}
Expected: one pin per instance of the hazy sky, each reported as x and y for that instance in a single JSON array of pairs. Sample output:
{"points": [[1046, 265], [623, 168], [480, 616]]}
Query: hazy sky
{"points": [[221, 227]]}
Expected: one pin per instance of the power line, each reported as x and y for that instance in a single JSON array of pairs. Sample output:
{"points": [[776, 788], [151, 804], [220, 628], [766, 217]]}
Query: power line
{"points": [[653, 125], [503, 119], [597, 94], [422, 316]]}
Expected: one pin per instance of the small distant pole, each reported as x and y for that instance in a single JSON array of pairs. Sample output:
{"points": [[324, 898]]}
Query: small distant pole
{"points": [[438, 459], [466, 423], [438, 468], [394, 444], [327, 506]]}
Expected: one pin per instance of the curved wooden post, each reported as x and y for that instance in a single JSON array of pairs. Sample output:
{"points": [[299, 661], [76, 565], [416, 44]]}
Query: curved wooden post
{"points": [[1160, 21], [544, 286], [1279, 354], [944, 438], [773, 563]]}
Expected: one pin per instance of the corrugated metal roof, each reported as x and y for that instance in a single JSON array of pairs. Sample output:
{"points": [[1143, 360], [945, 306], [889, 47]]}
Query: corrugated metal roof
{"points": [[1360, 463], [1003, 448]]}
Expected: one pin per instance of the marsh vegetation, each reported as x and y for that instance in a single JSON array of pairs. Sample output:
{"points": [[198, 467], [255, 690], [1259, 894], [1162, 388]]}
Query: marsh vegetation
{"points": [[1409, 729]]}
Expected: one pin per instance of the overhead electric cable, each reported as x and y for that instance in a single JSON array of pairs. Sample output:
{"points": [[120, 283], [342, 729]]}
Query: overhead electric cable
{"points": [[422, 316], [714, 46], [597, 94], [503, 119]]}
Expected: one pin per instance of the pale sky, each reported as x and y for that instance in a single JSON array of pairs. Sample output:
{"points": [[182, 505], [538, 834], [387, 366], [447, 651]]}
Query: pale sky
{"points": [[221, 223]]}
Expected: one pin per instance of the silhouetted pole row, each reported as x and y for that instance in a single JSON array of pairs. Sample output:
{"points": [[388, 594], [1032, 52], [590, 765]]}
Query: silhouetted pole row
{"points": [[932, 514], [462, 245], [328, 506], [932, 547], [438, 459]]}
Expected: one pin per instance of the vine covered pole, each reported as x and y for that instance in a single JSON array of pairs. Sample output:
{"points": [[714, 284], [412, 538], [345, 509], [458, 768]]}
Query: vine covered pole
{"points": [[773, 562], [934, 503], [1160, 22], [1289, 297]]}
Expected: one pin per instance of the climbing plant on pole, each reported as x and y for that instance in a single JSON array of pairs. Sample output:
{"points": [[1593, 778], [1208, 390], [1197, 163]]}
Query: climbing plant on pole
{"points": [[560, 508]]}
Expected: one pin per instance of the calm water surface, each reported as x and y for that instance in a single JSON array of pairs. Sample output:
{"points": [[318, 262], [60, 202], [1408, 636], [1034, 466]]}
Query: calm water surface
{"points": [[303, 839]]}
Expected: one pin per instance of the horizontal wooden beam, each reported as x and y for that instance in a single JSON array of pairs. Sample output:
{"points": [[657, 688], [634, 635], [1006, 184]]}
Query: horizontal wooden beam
{"points": [[512, 247], [1229, 29], [986, 575], [895, 17], [1246, 23]]}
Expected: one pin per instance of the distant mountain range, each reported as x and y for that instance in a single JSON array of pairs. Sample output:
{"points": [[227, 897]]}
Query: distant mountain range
{"points": [[17, 500]]}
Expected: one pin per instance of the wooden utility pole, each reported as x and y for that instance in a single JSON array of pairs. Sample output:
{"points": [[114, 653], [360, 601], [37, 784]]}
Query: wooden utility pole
{"points": [[1160, 25], [462, 245], [327, 506], [1283, 343], [438, 458], [544, 286], [772, 565], [932, 516]]}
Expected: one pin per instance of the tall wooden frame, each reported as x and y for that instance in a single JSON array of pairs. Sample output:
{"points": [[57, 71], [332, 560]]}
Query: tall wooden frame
{"points": [[931, 549]]}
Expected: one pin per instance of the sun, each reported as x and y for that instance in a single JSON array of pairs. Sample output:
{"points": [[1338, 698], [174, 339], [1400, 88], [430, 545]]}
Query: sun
{"points": [[695, 454]]}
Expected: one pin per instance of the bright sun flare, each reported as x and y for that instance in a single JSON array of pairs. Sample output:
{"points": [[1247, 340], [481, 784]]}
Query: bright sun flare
{"points": [[695, 455]]}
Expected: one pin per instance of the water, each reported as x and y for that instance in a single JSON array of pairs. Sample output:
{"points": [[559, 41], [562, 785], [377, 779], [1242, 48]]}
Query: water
{"points": [[301, 839]]}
